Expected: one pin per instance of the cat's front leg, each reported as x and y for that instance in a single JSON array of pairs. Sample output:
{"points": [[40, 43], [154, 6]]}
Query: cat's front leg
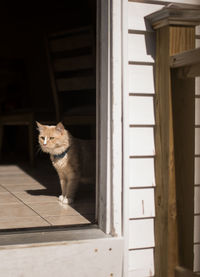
{"points": [[63, 184], [68, 191]]}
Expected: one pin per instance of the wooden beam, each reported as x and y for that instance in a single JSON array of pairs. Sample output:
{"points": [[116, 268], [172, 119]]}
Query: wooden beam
{"points": [[187, 62], [185, 58]]}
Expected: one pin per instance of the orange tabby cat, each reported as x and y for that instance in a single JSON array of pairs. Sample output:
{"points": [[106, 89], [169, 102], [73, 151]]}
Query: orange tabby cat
{"points": [[74, 159]]}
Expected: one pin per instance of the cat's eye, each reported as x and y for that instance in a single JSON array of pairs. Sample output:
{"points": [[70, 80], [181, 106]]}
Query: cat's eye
{"points": [[51, 137], [42, 138]]}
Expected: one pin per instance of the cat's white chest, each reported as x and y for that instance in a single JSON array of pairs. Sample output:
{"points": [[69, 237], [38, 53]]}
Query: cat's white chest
{"points": [[60, 163]]}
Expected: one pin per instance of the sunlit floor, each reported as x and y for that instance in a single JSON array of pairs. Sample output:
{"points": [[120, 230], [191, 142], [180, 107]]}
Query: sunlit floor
{"points": [[29, 198]]}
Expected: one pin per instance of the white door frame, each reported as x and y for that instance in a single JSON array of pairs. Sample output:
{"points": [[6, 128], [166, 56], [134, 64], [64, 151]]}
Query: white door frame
{"points": [[110, 103]]}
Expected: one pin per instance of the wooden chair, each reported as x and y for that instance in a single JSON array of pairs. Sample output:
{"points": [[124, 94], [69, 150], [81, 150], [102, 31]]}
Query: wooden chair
{"points": [[71, 63]]}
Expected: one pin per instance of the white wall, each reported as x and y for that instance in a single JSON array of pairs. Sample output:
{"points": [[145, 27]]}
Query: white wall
{"points": [[141, 90]]}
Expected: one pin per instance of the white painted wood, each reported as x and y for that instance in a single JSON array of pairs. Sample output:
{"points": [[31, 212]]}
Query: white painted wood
{"points": [[81, 258], [136, 14], [197, 171], [141, 141], [197, 200], [197, 229], [141, 233], [137, 178], [116, 129], [141, 79], [197, 257], [103, 82], [197, 30], [141, 47], [125, 126], [192, 2], [141, 263], [197, 141], [141, 110], [141, 203], [197, 86], [197, 111], [197, 43]]}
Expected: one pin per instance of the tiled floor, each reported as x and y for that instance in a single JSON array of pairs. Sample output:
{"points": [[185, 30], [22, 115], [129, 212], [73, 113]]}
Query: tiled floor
{"points": [[29, 198]]}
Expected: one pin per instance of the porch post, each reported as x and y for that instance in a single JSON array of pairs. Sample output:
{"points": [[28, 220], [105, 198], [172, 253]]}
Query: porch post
{"points": [[175, 33]]}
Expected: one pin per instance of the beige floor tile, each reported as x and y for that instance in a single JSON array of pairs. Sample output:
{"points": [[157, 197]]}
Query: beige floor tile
{"points": [[53, 209], [15, 211], [2, 189], [23, 222], [85, 207], [67, 220], [23, 187], [7, 198], [28, 198], [16, 180]]}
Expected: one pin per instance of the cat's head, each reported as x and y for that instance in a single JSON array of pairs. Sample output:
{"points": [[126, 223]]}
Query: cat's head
{"points": [[53, 139]]}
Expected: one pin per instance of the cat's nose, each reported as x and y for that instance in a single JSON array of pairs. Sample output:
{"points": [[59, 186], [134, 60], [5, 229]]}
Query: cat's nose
{"points": [[45, 141]]}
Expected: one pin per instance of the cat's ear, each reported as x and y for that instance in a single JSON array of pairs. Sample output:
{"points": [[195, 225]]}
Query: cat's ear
{"points": [[59, 127], [40, 126]]}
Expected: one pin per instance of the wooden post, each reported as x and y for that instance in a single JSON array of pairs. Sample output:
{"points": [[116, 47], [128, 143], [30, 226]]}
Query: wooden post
{"points": [[175, 33]]}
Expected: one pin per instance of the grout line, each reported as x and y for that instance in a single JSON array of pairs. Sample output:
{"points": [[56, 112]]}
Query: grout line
{"points": [[27, 205]]}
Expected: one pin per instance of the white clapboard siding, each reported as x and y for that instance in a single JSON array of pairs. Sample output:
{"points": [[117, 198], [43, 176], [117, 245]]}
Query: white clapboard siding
{"points": [[136, 14], [197, 141], [141, 203], [197, 111], [197, 171], [137, 178], [197, 85], [141, 233], [197, 200], [137, 50], [141, 79], [141, 263], [141, 110], [196, 257], [194, 2], [197, 229], [141, 89], [197, 30], [141, 141], [197, 42]]}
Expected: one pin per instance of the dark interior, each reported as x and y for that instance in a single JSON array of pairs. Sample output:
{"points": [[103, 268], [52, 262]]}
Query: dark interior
{"points": [[24, 76]]}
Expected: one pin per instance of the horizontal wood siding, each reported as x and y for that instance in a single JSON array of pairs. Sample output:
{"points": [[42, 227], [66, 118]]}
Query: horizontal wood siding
{"points": [[141, 86]]}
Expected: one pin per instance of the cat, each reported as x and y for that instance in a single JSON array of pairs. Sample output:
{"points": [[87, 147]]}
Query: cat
{"points": [[74, 159]]}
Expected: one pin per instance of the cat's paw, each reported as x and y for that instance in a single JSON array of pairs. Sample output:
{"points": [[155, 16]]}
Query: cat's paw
{"points": [[61, 198], [67, 200]]}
